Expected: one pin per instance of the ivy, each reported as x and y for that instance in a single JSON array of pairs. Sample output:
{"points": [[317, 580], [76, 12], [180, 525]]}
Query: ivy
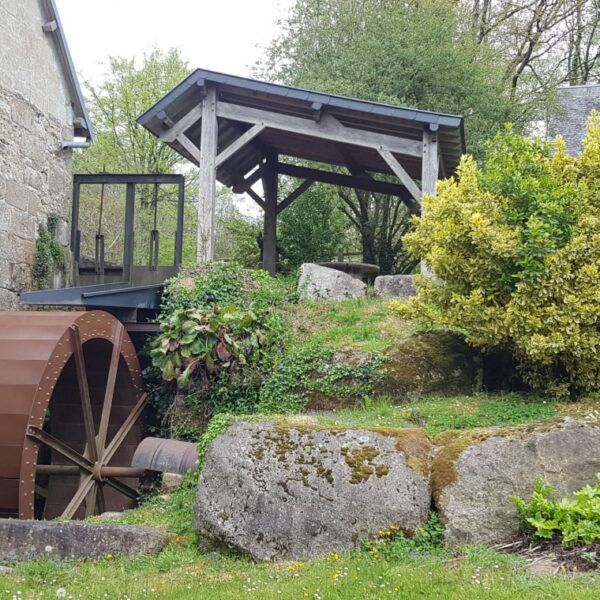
{"points": [[49, 254], [309, 370]]}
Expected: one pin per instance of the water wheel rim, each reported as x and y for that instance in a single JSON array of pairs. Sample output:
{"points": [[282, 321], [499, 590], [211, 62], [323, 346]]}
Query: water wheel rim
{"points": [[92, 325]]}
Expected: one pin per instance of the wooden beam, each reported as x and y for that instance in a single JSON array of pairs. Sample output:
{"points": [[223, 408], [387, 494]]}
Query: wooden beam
{"points": [[208, 175], [181, 126], [244, 184], [401, 174], [328, 128], [350, 181], [255, 197], [430, 165], [270, 216], [297, 192], [239, 143], [185, 141]]}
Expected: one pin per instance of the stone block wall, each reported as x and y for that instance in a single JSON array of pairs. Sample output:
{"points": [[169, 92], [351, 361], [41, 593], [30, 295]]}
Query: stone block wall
{"points": [[569, 119], [35, 117]]}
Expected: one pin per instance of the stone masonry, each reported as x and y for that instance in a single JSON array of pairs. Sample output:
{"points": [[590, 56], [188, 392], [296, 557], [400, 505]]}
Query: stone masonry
{"points": [[35, 117], [570, 117]]}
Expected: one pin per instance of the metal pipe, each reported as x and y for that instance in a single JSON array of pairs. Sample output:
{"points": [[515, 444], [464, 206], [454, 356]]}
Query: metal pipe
{"points": [[67, 144], [107, 471]]}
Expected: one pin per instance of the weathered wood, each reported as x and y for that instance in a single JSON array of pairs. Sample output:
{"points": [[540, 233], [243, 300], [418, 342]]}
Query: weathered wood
{"points": [[270, 215], [171, 134], [327, 128], [185, 141], [430, 166], [350, 181], [401, 174], [255, 197], [239, 143], [297, 192], [207, 178]]}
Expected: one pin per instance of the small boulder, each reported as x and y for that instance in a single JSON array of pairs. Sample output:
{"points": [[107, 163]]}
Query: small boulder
{"points": [[283, 493], [322, 283], [74, 540], [436, 362], [475, 473], [394, 286]]}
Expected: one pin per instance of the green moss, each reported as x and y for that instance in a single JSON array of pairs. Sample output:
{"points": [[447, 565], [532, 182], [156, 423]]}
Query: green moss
{"points": [[382, 470], [451, 444], [360, 460]]}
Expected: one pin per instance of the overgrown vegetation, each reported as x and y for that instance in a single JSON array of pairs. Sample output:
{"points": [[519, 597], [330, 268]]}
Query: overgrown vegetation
{"points": [[49, 253], [569, 521], [515, 246]]}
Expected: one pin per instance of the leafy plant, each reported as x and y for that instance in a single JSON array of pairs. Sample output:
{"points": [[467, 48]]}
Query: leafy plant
{"points": [[49, 254], [568, 521], [393, 544], [198, 344], [515, 246], [218, 425]]}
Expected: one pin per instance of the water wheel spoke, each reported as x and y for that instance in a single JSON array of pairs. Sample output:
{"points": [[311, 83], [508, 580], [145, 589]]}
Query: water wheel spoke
{"points": [[110, 388], [90, 501], [84, 395], [121, 434], [101, 499], [60, 447], [85, 486], [118, 485]]}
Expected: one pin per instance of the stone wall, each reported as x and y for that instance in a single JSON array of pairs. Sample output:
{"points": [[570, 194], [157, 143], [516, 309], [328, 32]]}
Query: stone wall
{"points": [[35, 117], [570, 117]]}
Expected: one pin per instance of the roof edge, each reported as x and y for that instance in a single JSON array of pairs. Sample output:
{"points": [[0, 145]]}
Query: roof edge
{"points": [[82, 125]]}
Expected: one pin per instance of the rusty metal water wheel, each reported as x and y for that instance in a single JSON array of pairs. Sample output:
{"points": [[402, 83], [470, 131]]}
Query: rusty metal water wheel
{"points": [[70, 400]]}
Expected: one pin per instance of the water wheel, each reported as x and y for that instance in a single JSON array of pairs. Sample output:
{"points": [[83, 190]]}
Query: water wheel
{"points": [[70, 400]]}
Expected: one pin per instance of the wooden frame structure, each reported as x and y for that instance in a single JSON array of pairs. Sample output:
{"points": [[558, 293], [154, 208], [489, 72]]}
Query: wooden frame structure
{"points": [[240, 131]]}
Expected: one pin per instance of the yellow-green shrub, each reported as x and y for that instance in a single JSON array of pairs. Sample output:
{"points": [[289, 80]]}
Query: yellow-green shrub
{"points": [[515, 247]]}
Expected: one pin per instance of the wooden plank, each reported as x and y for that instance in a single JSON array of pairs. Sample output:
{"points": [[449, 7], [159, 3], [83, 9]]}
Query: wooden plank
{"points": [[185, 141], [239, 143], [297, 192], [208, 173], [183, 124], [327, 128], [350, 181], [429, 173], [256, 198], [270, 215], [245, 184], [401, 174]]}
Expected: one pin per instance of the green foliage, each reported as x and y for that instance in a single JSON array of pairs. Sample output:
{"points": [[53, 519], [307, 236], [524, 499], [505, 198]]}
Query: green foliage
{"points": [[311, 229], [217, 425], [308, 370], [197, 344], [393, 545], [226, 283], [568, 521], [242, 245], [515, 246], [49, 254]]}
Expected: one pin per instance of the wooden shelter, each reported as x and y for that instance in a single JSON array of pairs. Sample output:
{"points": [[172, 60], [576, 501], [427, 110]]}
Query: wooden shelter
{"points": [[240, 131]]}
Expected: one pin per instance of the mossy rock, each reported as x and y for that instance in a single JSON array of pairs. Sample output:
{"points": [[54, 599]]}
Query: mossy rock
{"points": [[475, 473], [281, 492], [431, 363]]}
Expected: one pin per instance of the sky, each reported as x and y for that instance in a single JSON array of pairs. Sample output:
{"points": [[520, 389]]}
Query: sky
{"points": [[221, 35]]}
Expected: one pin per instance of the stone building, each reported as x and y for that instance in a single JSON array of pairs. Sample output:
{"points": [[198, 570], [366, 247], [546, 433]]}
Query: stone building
{"points": [[569, 119], [42, 118]]}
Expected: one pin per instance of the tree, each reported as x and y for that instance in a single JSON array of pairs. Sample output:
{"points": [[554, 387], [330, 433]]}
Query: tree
{"points": [[413, 53], [311, 229], [515, 246]]}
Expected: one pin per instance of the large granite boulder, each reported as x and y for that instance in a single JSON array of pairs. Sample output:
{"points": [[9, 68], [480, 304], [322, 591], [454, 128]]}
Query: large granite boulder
{"points": [[74, 540], [283, 493], [322, 283], [431, 363], [475, 473], [394, 286]]}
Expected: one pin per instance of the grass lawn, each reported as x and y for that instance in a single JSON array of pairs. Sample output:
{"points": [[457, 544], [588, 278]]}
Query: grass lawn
{"points": [[183, 571]]}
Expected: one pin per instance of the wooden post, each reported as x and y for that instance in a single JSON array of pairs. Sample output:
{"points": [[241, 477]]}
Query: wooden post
{"points": [[270, 218], [429, 173], [208, 173]]}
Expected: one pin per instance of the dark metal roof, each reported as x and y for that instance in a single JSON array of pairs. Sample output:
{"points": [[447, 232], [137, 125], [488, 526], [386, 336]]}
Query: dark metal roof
{"points": [[351, 112], [82, 126]]}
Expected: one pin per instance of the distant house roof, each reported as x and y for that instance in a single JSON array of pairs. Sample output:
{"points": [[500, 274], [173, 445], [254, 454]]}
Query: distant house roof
{"points": [[362, 116], [82, 126]]}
